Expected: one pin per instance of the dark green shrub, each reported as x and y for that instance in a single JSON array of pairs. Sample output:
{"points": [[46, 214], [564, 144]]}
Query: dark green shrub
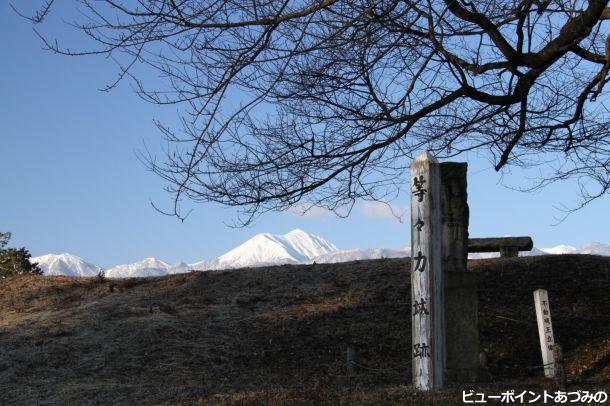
{"points": [[15, 261]]}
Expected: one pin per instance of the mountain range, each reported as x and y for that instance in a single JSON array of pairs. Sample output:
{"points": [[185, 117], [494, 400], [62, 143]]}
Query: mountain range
{"points": [[264, 249]]}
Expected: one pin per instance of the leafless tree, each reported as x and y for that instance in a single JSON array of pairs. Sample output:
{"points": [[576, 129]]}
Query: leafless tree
{"points": [[322, 102]]}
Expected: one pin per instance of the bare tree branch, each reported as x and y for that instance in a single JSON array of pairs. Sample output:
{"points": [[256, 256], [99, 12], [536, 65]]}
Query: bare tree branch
{"points": [[323, 102]]}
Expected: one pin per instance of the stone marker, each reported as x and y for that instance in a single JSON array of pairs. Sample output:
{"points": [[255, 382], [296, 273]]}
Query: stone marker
{"points": [[560, 374], [351, 359], [426, 274], [509, 252], [454, 216], [545, 331], [462, 353]]}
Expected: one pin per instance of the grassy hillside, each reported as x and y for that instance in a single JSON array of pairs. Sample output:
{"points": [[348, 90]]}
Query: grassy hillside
{"points": [[279, 335]]}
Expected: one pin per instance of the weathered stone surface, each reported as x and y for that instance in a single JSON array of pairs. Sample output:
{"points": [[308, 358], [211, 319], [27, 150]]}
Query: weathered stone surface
{"points": [[460, 291], [509, 252], [427, 275], [545, 331], [461, 327], [498, 243], [454, 216]]}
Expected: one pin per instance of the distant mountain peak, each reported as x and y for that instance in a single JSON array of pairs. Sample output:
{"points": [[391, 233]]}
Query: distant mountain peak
{"points": [[596, 248], [152, 260], [262, 249], [560, 249], [65, 264], [150, 266], [265, 248]]}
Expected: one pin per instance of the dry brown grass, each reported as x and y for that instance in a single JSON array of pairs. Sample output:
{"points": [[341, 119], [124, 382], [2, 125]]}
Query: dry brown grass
{"points": [[278, 335]]}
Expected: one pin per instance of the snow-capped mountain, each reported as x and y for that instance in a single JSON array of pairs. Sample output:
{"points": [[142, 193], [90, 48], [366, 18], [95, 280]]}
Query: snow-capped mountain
{"points": [[595, 248], [294, 247], [359, 254], [561, 249], [264, 249], [146, 267], [65, 264], [271, 249]]}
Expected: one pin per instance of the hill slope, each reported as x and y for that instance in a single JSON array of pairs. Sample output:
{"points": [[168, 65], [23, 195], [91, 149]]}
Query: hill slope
{"points": [[279, 335]]}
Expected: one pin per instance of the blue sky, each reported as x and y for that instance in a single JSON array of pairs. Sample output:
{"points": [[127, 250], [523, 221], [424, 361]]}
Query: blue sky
{"points": [[70, 180]]}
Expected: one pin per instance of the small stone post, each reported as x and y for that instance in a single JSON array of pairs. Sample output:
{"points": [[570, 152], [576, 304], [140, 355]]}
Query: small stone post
{"points": [[545, 331], [509, 252], [351, 359], [560, 374], [426, 274]]}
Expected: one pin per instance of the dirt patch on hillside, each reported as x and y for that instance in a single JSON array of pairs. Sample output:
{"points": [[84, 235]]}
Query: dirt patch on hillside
{"points": [[279, 335]]}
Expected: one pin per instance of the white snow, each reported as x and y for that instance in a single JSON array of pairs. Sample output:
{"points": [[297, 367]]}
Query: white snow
{"points": [[361, 253], [263, 249], [595, 248], [560, 249], [146, 267], [65, 264]]}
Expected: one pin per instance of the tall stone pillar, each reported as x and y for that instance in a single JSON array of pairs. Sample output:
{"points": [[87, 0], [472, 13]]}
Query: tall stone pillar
{"points": [[460, 290], [427, 309]]}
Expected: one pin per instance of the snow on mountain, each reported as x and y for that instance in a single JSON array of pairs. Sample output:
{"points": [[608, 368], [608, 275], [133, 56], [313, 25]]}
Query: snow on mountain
{"points": [[262, 249], [205, 265], [265, 249], [146, 267], [294, 247], [361, 254], [560, 249], [65, 264], [595, 248]]}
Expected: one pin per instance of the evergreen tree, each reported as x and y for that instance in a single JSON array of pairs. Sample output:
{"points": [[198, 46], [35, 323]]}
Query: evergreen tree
{"points": [[4, 239], [15, 261]]}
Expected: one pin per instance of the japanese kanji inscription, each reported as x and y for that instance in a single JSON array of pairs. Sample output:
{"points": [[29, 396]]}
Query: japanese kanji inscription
{"points": [[426, 274]]}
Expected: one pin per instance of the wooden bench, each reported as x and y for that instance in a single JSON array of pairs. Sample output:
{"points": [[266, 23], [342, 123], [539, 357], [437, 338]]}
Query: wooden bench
{"points": [[507, 246]]}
